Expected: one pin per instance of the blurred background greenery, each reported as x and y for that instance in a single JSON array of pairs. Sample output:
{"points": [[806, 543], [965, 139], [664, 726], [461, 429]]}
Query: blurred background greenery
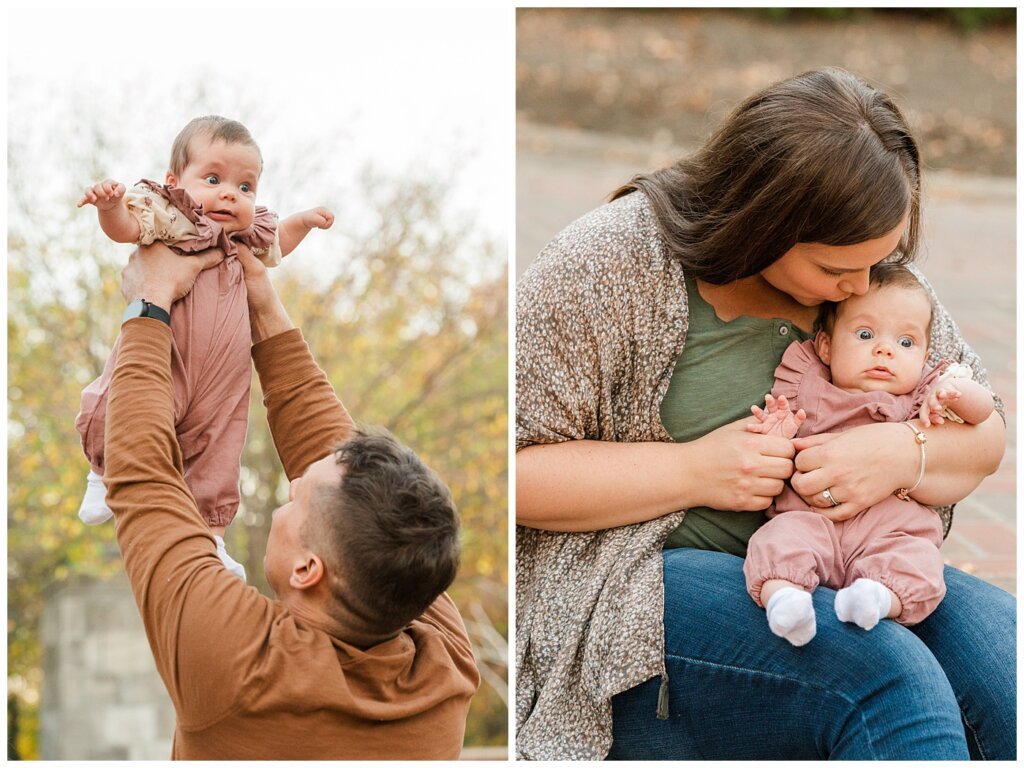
{"points": [[966, 19], [403, 302]]}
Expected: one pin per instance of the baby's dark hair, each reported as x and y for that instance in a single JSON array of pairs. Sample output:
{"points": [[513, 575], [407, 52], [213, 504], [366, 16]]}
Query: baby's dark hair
{"points": [[388, 531], [885, 274], [217, 128]]}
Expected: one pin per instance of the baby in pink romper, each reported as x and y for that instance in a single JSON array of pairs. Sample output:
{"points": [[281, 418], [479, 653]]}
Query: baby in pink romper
{"points": [[209, 200], [867, 364]]}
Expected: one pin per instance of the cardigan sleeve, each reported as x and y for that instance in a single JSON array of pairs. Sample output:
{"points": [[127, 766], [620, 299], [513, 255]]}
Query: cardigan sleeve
{"points": [[557, 358], [601, 316]]}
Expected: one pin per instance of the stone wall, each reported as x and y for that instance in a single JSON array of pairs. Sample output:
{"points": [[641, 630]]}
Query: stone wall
{"points": [[102, 698]]}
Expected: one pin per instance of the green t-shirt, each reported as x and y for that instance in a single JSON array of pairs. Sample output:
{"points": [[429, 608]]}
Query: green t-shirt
{"points": [[724, 369]]}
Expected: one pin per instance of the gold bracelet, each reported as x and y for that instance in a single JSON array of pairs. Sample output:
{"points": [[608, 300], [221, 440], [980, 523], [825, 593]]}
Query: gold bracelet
{"points": [[903, 494]]}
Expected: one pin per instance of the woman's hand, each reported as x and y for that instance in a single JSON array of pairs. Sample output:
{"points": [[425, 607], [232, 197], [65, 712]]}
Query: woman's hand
{"points": [[859, 467], [158, 275], [740, 470]]}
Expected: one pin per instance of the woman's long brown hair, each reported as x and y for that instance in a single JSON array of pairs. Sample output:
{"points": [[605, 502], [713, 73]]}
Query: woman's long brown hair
{"points": [[819, 158]]}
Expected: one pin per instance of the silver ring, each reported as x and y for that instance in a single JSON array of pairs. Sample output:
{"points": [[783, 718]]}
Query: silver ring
{"points": [[829, 497]]}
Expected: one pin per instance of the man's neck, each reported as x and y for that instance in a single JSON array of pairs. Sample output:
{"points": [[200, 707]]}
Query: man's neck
{"points": [[310, 614]]}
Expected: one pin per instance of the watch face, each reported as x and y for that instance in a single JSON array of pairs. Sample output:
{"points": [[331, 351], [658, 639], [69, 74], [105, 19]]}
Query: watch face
{"points": [[135, 309], [143, 308]]}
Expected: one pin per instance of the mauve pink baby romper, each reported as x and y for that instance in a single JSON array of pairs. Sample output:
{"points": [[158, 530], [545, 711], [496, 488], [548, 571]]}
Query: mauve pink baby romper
{"points": [[211, 367], [893, 542]]}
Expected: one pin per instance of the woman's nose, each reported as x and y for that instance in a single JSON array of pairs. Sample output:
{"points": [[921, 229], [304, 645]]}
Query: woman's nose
{"points": [[856, 282]]}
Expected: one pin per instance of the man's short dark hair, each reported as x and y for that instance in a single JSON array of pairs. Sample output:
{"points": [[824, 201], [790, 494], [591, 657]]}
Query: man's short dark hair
{"points": [[388, 531]]}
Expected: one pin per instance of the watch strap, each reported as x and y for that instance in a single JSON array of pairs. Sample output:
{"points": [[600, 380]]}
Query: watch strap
{"points": [[159, 313]]}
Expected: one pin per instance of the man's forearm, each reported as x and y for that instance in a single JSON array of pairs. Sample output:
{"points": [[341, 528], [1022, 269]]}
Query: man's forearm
{"points": [[153, 508], [306, 418], [268, 319]]}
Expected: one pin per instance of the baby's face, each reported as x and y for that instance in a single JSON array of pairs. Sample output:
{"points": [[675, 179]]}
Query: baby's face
{"points": [[222, 178], [879, 342]]}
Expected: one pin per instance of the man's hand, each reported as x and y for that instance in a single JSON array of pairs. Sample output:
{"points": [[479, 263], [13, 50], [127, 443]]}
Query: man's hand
{"points": [[158, 275], [106, 195]]}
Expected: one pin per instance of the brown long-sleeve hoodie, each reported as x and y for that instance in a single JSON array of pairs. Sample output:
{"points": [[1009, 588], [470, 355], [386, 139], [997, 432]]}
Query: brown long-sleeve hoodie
{"points": [[248, 679]]}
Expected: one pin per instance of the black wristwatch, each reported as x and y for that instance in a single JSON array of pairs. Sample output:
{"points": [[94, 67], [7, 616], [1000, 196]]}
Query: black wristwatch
{"points": [[143, 308]]}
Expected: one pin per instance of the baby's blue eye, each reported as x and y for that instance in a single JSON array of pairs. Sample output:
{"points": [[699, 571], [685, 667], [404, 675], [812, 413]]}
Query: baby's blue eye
{"points": [[212, 179], [906, 342], [245, 187], [864, 334]]}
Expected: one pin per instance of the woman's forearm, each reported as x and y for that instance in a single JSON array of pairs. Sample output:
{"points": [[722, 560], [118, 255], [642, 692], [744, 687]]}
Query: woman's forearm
{"points": [[959, 457], [588, 485]]}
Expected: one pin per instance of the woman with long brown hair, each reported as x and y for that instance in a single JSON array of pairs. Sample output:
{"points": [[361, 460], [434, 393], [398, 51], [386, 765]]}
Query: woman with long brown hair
{"points": [[645, 331]]}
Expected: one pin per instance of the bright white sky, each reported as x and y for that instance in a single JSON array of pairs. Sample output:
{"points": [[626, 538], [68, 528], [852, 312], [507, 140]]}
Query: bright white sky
{"points": [[397, 89]]}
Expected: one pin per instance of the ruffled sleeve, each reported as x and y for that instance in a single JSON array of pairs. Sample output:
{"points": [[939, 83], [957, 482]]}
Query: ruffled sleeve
{"points": [[916, 398], [158, 217], [264, 238], [798, 375], [170, 215]]}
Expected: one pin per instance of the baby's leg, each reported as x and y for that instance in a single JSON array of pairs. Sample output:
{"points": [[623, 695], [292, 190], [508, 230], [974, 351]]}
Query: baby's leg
{"points": [[212, 346], [786, 560], [895, 568], [91, 423]]}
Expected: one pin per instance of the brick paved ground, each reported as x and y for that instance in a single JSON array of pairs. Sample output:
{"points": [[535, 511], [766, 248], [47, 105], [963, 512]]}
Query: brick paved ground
{"points": [[969, 257]]}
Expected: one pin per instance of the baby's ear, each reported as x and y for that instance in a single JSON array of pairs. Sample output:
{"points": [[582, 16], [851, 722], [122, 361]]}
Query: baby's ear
{"points": [[823, 346], [170, 180]]}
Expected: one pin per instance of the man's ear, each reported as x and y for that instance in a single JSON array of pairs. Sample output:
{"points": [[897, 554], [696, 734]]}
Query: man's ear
{"points": [[308, 572], [823, 346], [170, 180]]}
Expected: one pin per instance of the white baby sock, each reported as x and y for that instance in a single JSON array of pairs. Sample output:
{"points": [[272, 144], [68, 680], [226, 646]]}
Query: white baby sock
{"points": [[94, 509], [230, 563], [864, 603], [791, 615]]}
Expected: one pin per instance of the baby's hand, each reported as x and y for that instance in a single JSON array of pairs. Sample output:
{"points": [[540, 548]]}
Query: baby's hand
{"points": [[106, 195], [776, 419], [317, 218], [940, 397]]}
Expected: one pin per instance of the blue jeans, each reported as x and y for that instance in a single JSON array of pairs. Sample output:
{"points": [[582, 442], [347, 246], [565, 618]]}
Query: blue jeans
{"points": [[944, 689]]}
